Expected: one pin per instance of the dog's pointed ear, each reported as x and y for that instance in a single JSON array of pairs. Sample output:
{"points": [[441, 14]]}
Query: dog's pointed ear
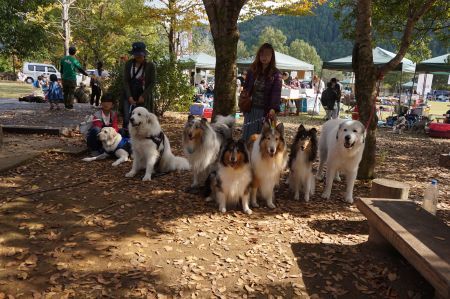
{"points": [[301, 128], [266, 126], [280, 128], [313, 131], [191, 117], [204, 120]]}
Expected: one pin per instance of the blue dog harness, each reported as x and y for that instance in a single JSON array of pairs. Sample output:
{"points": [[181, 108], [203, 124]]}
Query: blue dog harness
{"points": [[124, 144]]}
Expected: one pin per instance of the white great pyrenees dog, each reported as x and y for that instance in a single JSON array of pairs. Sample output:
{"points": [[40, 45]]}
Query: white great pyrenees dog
{"points": [[341, 146], [150, 146]]}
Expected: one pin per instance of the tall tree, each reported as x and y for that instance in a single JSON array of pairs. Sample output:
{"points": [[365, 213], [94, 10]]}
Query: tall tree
{"points": [[408, 19], [242, 51], [176, 16], [223, 16], [304, 51], [275, 37]]}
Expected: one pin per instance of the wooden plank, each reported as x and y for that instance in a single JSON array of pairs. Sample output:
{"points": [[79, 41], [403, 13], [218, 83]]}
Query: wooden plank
{"points": [[419, 236], [384, 188]]}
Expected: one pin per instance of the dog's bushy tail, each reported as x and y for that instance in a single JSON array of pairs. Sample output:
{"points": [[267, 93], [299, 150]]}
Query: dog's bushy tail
{"points": [[229, 120], [179, 163]]}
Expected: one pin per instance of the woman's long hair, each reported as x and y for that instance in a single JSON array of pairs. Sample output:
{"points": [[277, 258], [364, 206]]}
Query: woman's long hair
{"points": [[257, 67]]}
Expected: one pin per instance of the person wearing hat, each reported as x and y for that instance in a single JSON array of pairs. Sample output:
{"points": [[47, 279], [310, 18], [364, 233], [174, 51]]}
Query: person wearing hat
{"points": [[69, 68], [139, 82]]}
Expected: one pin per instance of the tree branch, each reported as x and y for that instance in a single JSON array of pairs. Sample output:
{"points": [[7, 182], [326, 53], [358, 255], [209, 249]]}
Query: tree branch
{"points": [[407, 37]]}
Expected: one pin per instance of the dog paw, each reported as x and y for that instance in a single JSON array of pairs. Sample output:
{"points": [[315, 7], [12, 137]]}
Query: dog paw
{"points": [[349, 199], [255, 204], [338, 179], [326, 195], [222, 210], [87, 159], [208, 199], [248, 211], [306, 198], [297, 196], [115, 164], [147, 178], [270, 205], [130, 174]]}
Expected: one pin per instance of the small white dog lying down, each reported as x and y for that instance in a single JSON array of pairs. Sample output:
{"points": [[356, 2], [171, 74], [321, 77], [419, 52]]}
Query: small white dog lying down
{"points": [[113, 144], [341, 145], [151, 147]]}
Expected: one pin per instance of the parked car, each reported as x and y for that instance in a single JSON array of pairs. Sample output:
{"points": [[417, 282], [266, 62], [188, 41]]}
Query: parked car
{"points": [[442, 98], [32, 70]]}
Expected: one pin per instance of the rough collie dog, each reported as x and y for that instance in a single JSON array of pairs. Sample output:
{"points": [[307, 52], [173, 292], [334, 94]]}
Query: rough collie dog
{"points": [[301, 158], [231, 182], [202, 142], [268, 159], [113, 145], [341, 146], [151, 147]]}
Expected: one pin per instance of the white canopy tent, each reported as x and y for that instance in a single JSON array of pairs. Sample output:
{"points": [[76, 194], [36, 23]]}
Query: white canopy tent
{"points": [[201, 61], [283, 62]]}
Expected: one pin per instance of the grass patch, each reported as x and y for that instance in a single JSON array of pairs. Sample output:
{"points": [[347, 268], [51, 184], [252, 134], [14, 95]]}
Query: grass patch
{"points": [[14, 90]]}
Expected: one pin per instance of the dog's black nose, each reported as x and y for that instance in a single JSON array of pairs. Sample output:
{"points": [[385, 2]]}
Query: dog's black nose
{"points": [[132, 119], [302, 147], [347, 137]]}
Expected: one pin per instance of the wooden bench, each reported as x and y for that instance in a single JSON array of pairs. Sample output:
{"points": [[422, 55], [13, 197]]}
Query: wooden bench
{"points": [[419, 236]]}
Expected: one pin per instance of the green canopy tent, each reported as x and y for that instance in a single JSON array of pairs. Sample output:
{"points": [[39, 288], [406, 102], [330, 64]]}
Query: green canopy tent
{"points": [[439, 64], [380, 57], [283, 62]]}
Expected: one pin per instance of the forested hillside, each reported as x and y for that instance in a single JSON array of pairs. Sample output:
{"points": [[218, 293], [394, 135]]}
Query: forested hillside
{"points": [[320, 30]]}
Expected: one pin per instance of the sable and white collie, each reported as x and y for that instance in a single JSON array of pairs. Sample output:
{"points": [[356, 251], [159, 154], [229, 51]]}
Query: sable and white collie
{"points": [[151, 147], [231, 182], [268, 159], [301, 158], [202, 142]]}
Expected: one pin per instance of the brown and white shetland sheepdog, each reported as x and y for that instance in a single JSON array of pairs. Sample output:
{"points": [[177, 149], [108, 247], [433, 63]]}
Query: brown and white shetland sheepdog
{"points": [[268, 159], [301, 158], [202, 142], [231, 182]]}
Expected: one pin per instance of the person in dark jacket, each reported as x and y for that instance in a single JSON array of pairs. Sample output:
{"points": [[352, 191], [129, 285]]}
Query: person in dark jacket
{"points": [[329, 99], [139, 82], [264, 83], [337, 88]]}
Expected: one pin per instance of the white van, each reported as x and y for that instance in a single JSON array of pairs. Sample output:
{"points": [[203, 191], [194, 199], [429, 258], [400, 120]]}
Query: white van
{"points": [[32, 70]]}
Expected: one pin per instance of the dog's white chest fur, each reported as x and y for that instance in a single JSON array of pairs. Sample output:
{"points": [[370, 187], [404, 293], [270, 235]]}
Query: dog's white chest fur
{"points": [[302, 167], [234, 181]]}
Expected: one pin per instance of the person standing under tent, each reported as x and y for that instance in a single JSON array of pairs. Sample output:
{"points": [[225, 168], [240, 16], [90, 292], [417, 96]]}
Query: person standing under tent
{"points": [[264, 83]]}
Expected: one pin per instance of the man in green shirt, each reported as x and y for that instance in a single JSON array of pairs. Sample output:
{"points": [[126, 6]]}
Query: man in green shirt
{"points": [[69, 68]]}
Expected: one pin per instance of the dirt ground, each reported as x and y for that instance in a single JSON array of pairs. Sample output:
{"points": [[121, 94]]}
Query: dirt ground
{"points": [[71, 229]]}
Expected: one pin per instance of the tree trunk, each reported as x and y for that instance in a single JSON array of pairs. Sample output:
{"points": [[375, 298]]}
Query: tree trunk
{"points": [[365, 81], [66, 25], [223, 16], [171, 32]]}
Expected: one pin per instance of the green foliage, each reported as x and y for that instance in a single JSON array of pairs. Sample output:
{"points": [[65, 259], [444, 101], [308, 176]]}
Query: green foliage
{"points": [[202, 41], [304, 51], [323, 31], [430, 35], [18, 36], [173, 89], [242, 51], [273, 36]]}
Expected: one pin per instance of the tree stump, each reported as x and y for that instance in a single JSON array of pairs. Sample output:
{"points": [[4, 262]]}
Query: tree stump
{"points": [[384, 188], [444, 160]]}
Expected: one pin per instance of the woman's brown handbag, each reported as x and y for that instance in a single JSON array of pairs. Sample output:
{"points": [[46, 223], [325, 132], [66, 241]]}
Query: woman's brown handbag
{"points": [[245, 101]]}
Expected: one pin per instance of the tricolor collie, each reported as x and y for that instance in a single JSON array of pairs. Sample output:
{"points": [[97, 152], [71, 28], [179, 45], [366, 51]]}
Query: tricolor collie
{"points": [[231, 183], [268, 159], [202, 142], [301, 158], [150, 146]]}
